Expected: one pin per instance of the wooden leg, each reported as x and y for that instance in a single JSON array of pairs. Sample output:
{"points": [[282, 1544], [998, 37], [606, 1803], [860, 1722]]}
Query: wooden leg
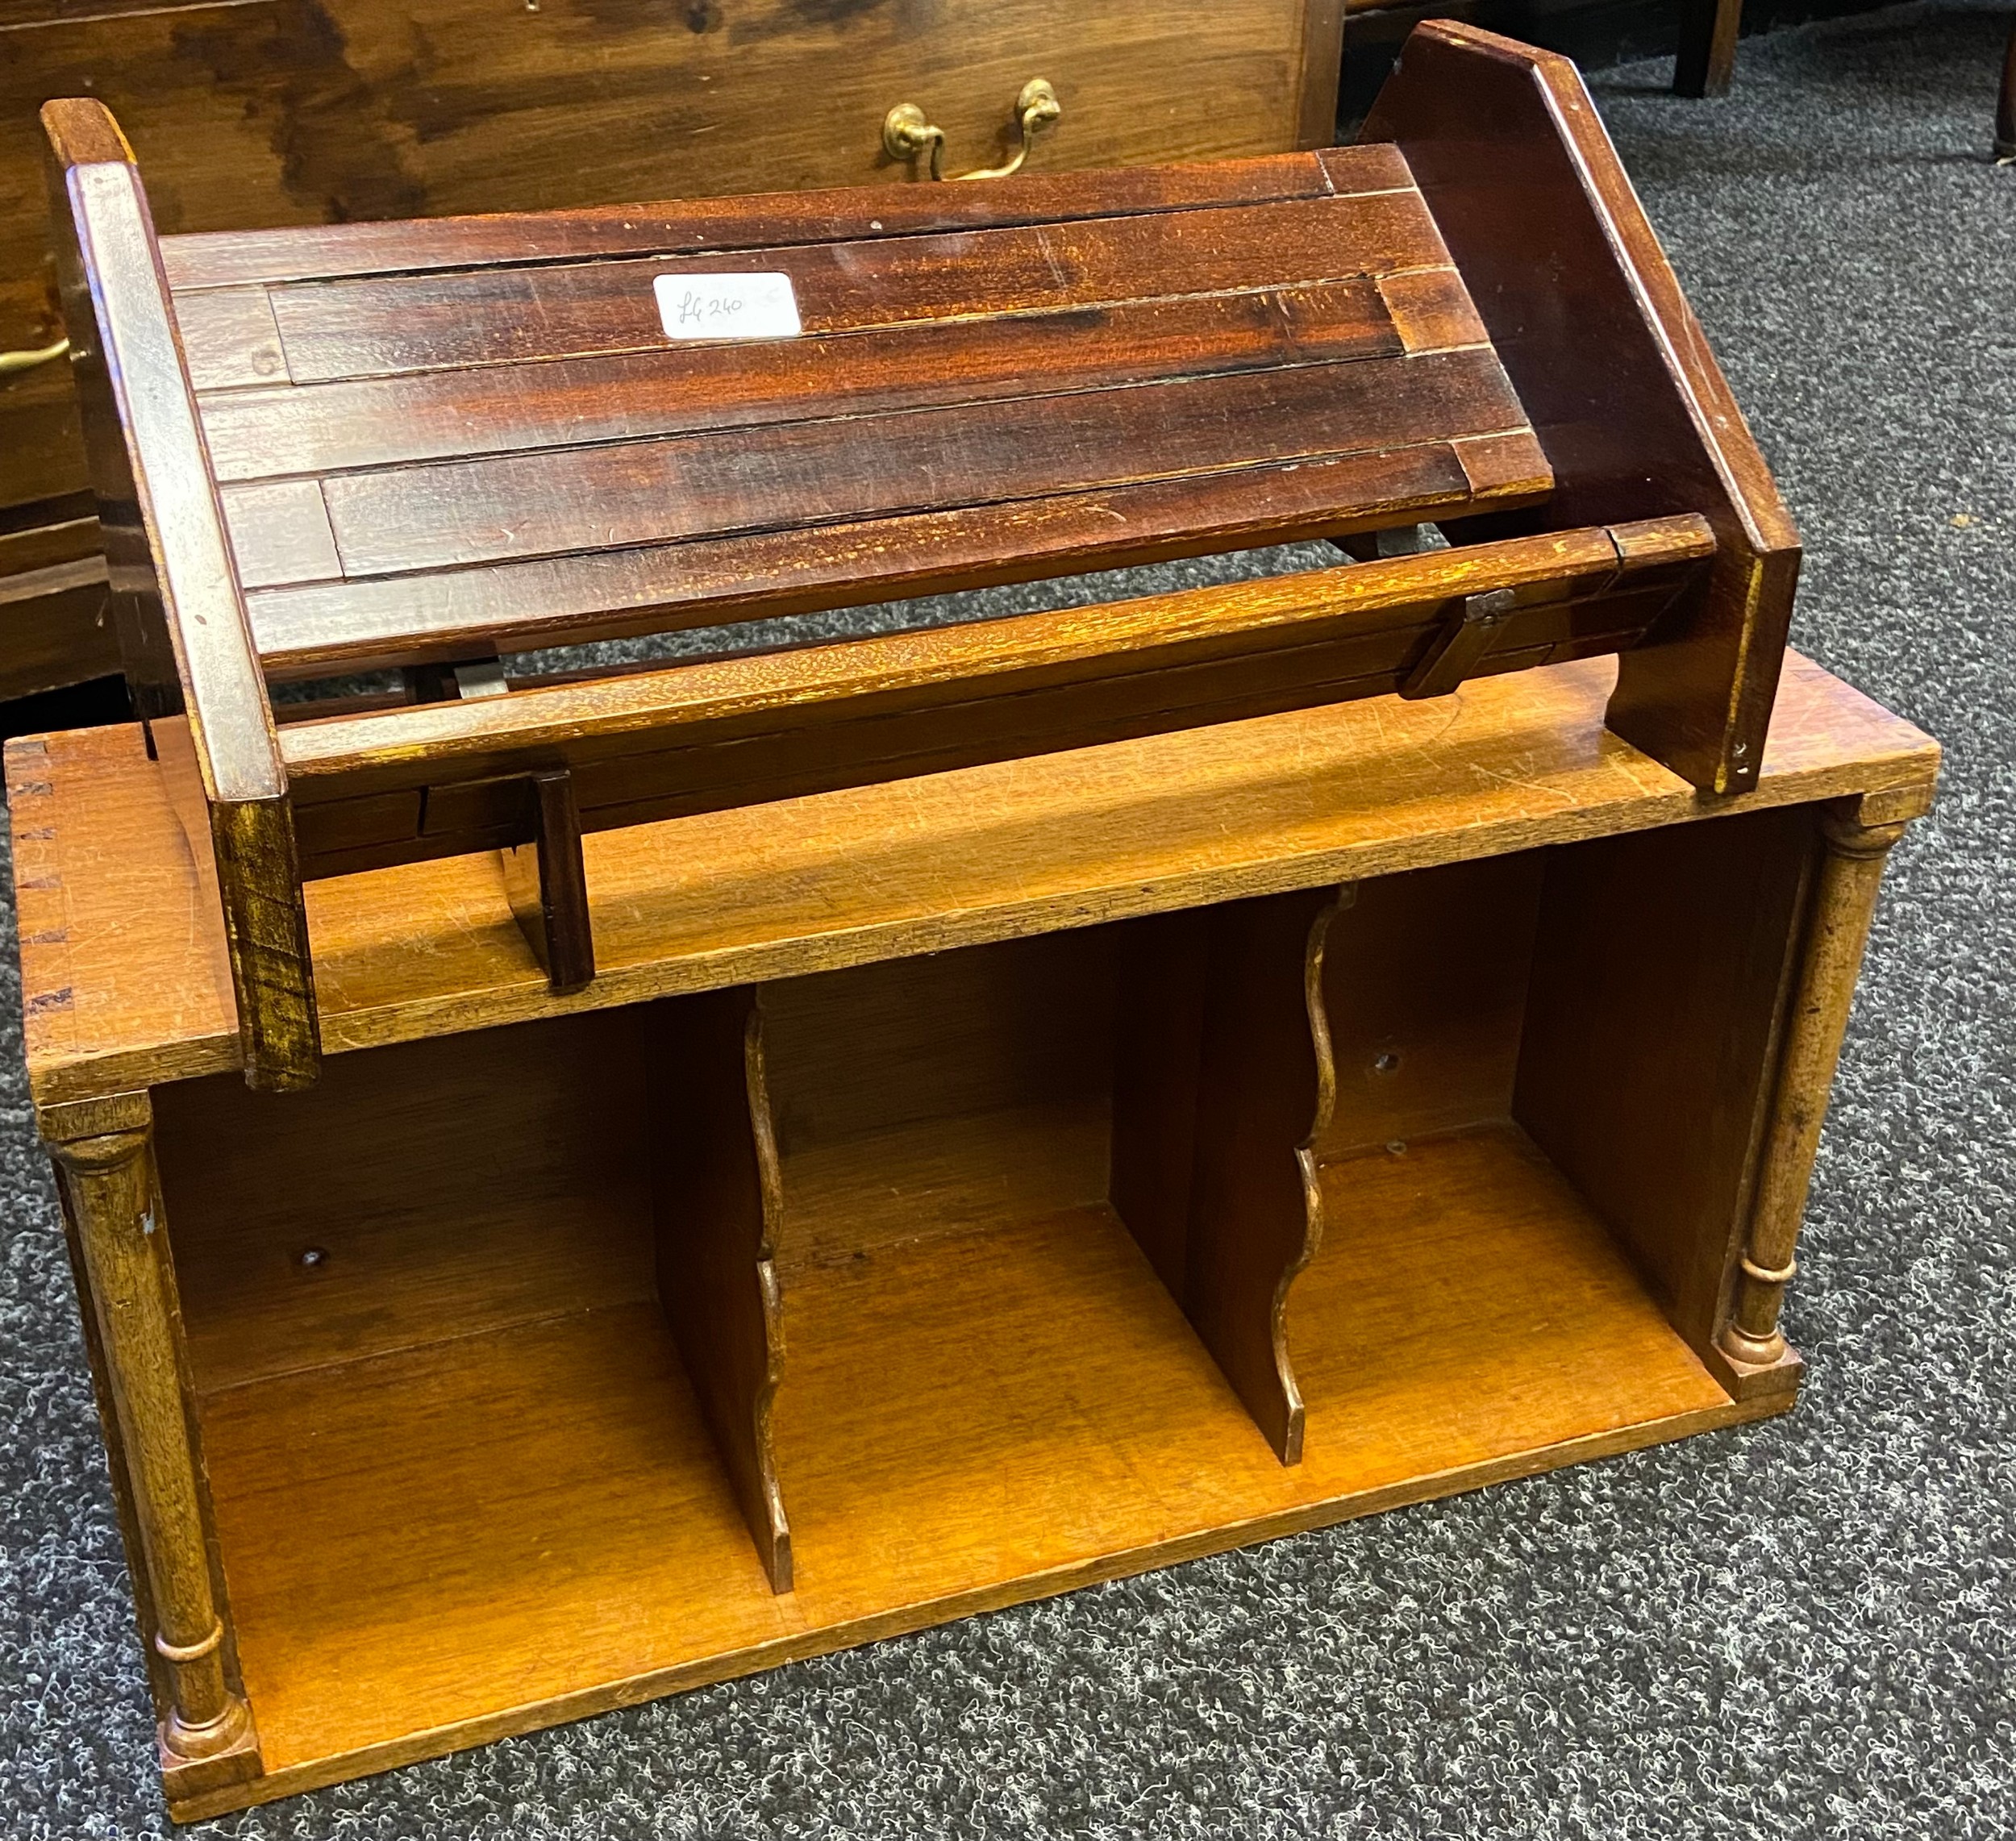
{"points": [[206, 1731], [1707, 59], [1843, 901], [2005, 107]]}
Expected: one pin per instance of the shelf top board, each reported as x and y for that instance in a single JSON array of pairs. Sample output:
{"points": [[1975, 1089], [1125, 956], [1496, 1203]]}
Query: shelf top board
{"points": [[125, 983]]}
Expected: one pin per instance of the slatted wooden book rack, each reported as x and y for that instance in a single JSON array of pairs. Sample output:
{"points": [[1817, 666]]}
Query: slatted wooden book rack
{"points": [[427, 444], [1000, 1009]]}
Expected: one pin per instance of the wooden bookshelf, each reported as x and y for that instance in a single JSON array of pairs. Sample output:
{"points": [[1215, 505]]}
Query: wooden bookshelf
{"points": [[1535, 1017]]}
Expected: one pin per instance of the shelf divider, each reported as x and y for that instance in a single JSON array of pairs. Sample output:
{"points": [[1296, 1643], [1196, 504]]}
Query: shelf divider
{"points": [[1224, 1083], [716, 1202]]}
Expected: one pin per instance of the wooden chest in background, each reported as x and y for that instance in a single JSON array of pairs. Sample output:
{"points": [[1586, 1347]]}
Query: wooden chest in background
{"points": [[264, 112]]}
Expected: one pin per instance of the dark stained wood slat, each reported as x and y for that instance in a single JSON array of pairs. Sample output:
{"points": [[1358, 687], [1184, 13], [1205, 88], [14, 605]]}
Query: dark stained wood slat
{"points": [[1431, 310], [295, 543], [810, 474], [437, 415], [223, 258], [304, 632], [345, 329], [229, 339]]}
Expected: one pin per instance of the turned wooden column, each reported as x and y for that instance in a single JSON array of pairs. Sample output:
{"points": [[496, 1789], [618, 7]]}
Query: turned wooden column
{"points": [[206, 1732], [1850, 871]]}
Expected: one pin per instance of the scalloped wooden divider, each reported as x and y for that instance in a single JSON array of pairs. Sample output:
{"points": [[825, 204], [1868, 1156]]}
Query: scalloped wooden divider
{"points": [[715, 1201], [1223, 1084]]}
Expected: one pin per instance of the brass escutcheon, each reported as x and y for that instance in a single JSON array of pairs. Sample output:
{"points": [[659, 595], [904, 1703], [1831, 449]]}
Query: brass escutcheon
{"points": [[907, 131]]}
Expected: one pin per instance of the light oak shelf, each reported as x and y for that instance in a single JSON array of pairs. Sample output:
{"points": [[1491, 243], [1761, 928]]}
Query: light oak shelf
{"points": [[108, 880], [484, 1535]]}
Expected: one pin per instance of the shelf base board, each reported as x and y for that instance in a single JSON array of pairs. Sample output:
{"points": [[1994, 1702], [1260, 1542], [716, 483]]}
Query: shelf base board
{"points": [[478, 1538]]}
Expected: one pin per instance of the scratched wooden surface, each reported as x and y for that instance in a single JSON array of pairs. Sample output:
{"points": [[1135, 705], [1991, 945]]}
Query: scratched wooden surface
{"points": [[125, 981], [444, 440]]}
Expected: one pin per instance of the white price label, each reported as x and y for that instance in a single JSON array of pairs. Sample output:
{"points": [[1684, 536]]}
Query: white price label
{"points": [[727, 307]]}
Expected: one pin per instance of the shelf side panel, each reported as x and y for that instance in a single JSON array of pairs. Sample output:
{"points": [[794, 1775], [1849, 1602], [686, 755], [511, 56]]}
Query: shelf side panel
{"points": [[1425, 986], [1642, 1071]]}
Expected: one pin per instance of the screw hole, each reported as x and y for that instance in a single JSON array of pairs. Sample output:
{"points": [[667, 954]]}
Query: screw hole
{"points": [[1396, 1147], [310, 1257], [1386, 1063]]}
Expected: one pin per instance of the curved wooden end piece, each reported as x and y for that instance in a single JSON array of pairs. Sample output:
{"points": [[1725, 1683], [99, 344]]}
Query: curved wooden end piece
{"points": [[81, 131], [1229, 1237], [717, 1200], [1614, 372]]}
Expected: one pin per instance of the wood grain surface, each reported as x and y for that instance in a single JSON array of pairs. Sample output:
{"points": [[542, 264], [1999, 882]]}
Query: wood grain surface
{"points": [[1425, 998], [369, 422], [125, 983], [508, 451], [1646, 1076], [1612, 366], [310, 631], [717, 1204], [188, 651], [564, 1530], [760, 219], [1265, 1087], [516, 312], [663, 742]]}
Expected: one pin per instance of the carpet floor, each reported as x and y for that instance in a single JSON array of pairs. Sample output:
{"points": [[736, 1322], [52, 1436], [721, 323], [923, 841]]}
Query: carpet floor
{"points": [[1802, 1628]]}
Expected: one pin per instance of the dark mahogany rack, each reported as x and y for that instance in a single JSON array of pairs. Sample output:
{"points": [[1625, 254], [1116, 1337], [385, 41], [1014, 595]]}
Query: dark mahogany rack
{"points": [[435, 445]]}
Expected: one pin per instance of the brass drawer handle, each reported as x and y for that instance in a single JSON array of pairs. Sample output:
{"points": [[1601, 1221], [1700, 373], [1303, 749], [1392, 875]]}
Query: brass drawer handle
{"points": [[907, 131], [13, 361]]}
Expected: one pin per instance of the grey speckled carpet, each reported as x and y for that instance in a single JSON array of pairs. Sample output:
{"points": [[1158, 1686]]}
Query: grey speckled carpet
{"points": [[1804, 1628]]}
